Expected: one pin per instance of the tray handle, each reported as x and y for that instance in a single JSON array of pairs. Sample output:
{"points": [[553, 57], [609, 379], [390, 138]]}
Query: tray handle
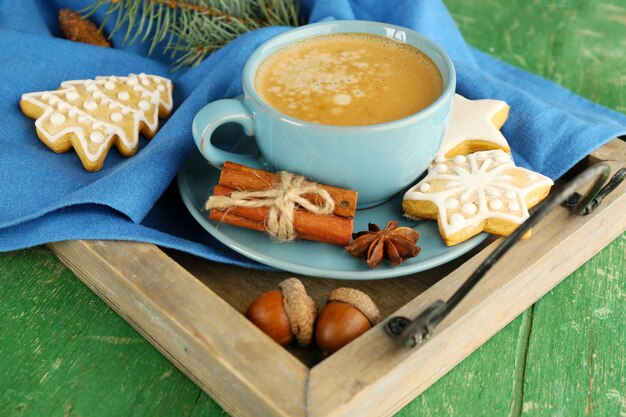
{"points": [[412, 333]]}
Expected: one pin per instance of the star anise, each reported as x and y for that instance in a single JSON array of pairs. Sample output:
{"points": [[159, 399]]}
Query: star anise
{"points": [[394, 243]]}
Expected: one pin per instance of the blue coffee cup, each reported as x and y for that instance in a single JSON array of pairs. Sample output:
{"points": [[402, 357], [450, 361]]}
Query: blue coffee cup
{"points": [[376, 160]]}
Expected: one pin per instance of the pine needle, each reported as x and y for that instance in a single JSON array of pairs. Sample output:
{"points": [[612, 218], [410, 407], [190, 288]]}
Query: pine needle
{"points": [[191, 30]]}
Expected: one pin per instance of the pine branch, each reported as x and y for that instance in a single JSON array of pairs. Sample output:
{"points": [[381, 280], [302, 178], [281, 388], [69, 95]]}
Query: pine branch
{"points": [[190, 30]]}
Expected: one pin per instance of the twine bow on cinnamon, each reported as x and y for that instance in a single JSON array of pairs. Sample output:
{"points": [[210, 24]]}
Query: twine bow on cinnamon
{"points": [[282, 201]]}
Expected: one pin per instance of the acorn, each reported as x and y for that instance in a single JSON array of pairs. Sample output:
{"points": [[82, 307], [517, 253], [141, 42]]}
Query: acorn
{"points": [[348, 313], [285, 314]]}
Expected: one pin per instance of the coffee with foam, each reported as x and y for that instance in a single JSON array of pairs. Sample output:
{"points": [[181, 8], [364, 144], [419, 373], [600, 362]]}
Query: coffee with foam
{"points": [[348, 79]]}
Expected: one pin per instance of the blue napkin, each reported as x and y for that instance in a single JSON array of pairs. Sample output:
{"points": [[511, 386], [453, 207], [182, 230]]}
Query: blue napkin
{"points": [[47, 197]]}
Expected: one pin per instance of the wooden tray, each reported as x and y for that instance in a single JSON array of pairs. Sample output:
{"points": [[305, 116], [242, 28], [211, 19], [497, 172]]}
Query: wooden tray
{"points": [[190, 309]]}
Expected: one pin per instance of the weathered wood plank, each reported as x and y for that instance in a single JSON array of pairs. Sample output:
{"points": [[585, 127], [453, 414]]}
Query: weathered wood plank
{"points": [[126, 274], [198, 331], [64, 352], [483, 385], [513, 29], [371, 382], [576, 44], [563, 377], [389, 295], [549, 379], [576, 362]]}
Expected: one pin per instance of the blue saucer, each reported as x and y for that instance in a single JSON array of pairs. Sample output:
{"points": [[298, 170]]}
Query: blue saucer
{"points": [[196, 181]]}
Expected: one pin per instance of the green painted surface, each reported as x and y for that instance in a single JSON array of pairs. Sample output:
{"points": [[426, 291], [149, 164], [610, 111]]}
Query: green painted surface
{"points": [[576, 361], [63, 352]]}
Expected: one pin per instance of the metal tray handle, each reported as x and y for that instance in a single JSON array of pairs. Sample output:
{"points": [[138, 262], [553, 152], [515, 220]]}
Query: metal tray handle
{"points": [[412, 333]]}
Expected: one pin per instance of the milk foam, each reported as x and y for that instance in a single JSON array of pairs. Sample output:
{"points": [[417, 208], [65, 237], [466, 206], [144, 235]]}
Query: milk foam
{"points": [[348, 79]]}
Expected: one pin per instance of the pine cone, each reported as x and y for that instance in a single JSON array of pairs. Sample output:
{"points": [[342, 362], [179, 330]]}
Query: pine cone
{"points": [[77, 29]]}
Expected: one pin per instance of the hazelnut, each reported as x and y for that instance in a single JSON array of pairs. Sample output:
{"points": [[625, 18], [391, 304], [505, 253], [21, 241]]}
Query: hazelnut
{"points": [[285, 314], [348, 314]]}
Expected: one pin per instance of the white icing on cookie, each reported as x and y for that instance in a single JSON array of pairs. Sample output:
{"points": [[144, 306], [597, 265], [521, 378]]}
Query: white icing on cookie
{"points": [[96, 137], [452, 203], [57, 118], [117, 117], [72, 95], [513, 205], [123, 95], [109, 111], [457, 220], [469, 208], [496, 204], [480, 183], [459, 159], [90, 105], [471, 120], [441, 168], [501, 159], [144, 105]]}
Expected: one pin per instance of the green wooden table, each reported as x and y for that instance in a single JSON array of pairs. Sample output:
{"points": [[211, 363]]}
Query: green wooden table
{"points": [[64, 352]]}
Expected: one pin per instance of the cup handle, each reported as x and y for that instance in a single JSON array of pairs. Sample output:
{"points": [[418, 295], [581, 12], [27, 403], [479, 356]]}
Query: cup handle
{"points": [[215, 114]]}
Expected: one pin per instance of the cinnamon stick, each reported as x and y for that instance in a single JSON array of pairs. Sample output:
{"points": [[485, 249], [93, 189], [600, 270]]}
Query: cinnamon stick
{"points": [[328, 229], [243, 178], [230, 218]]}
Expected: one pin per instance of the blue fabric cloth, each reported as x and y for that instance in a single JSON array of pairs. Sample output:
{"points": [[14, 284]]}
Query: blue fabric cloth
{"points": [[46, 197]]}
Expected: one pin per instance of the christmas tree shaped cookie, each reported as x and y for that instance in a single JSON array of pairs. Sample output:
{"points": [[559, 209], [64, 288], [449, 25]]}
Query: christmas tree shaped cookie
{"points": [[93, 115]]}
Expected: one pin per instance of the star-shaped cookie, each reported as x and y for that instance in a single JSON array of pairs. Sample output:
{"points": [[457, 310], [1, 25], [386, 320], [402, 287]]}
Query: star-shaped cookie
{"points": [[474, 126], [483, 191]]}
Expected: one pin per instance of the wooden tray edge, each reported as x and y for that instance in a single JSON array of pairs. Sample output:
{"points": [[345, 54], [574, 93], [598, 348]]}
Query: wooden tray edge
{"points": [[382, 377], [322, 391], [176, 319]]}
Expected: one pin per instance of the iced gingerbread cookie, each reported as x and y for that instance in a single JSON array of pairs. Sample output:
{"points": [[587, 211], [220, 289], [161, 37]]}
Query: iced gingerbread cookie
{"points": [[483, 191], [474, 126], [93, 115]]}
